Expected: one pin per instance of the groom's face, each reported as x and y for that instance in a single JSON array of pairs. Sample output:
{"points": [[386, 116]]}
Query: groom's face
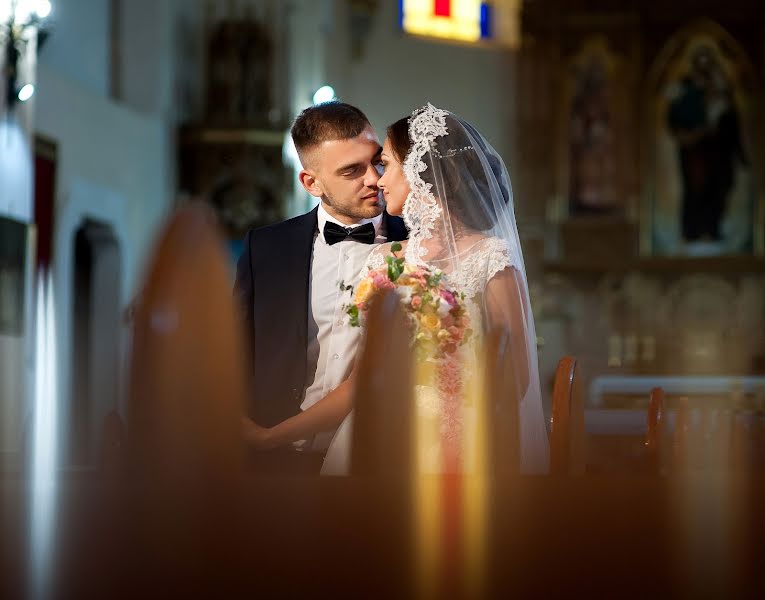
{"points": [[344, 174]]}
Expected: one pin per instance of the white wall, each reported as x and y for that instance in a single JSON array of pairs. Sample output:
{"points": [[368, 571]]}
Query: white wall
{"points": [[113, 165], [147, 55], [79, 47], [103, 144], [15, 171]]}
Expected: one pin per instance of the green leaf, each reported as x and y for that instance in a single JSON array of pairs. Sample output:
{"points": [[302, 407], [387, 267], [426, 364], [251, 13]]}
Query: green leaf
{"points": [[395, 267], [353, 314], [396, 247]]}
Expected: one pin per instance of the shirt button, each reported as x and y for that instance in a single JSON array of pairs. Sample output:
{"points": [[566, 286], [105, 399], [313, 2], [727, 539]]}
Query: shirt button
{"points": [[336, 356]]}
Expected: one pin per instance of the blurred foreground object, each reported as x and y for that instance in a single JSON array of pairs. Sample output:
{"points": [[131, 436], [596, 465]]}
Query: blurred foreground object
{"points": [[187, 378]]}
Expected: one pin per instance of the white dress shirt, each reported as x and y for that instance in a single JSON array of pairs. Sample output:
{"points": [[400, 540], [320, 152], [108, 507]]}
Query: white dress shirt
{"points": [[332, 342]]}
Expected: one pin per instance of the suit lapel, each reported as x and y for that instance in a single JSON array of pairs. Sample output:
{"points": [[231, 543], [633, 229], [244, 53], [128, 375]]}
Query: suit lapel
{"points": [[299, 255]]}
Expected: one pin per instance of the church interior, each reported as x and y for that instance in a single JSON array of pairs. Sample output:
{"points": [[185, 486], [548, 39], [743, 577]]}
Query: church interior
{"points": [[141, 140]]}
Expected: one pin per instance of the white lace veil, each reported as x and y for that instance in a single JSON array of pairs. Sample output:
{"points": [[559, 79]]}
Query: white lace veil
{"points": [[461, 220]]}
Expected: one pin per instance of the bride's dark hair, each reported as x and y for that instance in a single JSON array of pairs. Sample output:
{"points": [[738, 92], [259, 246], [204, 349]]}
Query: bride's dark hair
{"points": [[398, 134], [455, 167]]}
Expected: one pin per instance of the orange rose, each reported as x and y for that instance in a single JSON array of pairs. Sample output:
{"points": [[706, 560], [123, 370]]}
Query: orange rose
{"points": [[431, 322], [364, 291]]}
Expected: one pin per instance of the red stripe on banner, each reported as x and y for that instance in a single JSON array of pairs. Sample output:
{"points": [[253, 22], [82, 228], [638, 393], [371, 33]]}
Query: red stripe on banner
{"points": [[443, 8]]}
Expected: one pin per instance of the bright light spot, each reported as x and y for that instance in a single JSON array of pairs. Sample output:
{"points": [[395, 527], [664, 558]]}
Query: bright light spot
{"points": [[44, 434], [42, 8], [25, 9], [26, 92], [324, 94]]}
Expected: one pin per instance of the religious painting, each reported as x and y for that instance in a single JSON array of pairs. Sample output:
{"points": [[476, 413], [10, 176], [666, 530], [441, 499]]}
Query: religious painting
{"points": [[595, 133], [703, 192]]}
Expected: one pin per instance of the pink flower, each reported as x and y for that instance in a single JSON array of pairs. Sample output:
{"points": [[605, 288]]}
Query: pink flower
{"points": [[449, 297], [381, 281], [416, 302], [455, 332]]}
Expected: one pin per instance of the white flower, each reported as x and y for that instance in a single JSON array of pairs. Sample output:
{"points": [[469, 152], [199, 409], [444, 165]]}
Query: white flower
{"points": [[405, 292], [443, 308]]}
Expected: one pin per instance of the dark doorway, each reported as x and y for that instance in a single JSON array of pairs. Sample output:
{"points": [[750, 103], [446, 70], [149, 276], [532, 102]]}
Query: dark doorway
{"points": [[96, 337]]}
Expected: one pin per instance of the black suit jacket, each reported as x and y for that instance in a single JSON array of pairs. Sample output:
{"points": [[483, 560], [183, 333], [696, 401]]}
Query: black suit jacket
{"points": [[272, 280]]}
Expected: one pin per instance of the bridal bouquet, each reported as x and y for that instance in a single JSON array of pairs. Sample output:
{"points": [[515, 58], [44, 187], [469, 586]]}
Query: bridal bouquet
{"points": [[437, 314]]}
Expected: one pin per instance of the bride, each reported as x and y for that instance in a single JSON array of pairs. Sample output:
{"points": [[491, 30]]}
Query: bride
{"points": [[454, 194]]}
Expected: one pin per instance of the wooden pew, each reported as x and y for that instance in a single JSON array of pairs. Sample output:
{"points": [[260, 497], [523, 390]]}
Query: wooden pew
{"points": [[383, 420], [186, 404], [655, 429], [595, 533], [187, 371], [566, 422]]}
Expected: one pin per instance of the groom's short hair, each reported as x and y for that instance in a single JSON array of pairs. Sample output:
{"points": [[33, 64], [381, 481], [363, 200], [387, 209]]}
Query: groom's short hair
{"points": [[326, 122]]}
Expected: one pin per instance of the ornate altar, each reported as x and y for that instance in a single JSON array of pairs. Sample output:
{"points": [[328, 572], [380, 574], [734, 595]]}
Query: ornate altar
{"points": [[653, 205], [232, 158]]}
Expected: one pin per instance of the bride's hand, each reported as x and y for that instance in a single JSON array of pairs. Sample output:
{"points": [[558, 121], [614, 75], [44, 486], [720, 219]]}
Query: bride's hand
{"points": [[256, 436]]}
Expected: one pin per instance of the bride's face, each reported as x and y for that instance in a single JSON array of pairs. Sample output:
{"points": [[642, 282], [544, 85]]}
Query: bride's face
{"points": [[393, 183]]}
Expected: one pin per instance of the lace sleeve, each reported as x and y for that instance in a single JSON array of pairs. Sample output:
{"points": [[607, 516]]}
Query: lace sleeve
{"points": [[376, 258], [489, 258], [498, 258]]}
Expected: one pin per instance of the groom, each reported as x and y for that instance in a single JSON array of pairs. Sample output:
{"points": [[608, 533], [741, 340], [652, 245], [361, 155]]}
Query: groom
{"points": [[288, 276]]}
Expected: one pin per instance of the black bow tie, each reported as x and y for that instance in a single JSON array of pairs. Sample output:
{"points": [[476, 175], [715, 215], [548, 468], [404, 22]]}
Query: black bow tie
{"points": [[334, 233]]}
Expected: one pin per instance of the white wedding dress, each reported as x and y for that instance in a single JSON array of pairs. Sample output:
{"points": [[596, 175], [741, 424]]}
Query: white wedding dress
{"points": [[483, 261]]}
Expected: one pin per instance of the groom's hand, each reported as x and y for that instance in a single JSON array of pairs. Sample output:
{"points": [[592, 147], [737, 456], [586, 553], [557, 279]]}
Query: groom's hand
{"points": [[256, 436]]}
